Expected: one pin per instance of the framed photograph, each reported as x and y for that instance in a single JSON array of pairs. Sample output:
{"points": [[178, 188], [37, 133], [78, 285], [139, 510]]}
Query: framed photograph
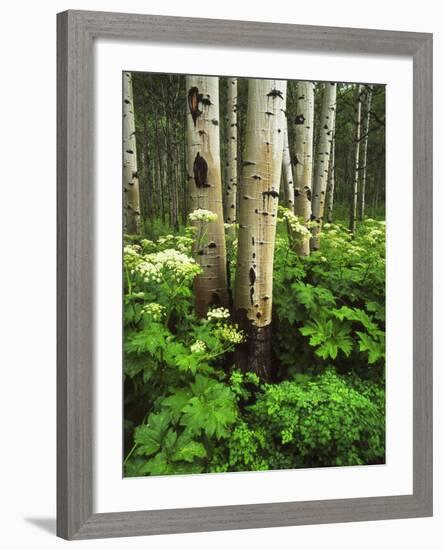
{"points": [[244, 275]]}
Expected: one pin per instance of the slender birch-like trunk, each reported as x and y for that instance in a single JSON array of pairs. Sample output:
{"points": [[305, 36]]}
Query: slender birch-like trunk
{"points": [[354, 194], [131, 198], [205, 190], [364, 152], [331, 183], [147, 206], [261, 174], [287, 173], [326, 131], [303, 157], [231, 172]]}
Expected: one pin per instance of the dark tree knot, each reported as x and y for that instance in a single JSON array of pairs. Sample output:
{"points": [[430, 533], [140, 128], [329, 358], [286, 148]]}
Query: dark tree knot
{"points": [[275, 93], [299, 119], [200, 169], [194, 97], [271, 193]]}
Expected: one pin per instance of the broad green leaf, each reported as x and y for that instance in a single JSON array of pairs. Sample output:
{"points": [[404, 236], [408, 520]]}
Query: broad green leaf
{"points": [[189, 451]]}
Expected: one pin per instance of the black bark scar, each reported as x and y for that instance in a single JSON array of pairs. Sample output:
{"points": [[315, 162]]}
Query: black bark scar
{"points": [[200, 170], [299, 119], [275, 93], [272, 193], [194, 97]]}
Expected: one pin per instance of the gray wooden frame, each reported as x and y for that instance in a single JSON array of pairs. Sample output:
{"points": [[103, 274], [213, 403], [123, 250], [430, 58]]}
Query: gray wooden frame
{"points": [[76, 32]]}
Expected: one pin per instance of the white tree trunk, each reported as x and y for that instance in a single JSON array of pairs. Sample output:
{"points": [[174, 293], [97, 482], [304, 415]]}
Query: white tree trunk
{"points": [[205, 190], [258, 198], [354, 194], [231, 172], [331, 183], [364, 152], [131, 199], [326, 131], [303, 157], [287, 173]]}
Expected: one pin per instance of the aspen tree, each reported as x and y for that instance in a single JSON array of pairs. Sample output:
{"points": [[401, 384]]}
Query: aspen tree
{"points": [[364, 152], [331, 183], [231, 172], [131, 199], [326, 131], [287, 173], [205, 190], [258, 197], [354, 193], [303, 157]]}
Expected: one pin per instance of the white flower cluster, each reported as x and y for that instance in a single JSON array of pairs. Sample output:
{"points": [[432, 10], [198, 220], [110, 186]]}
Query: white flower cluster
{"points": [[380, 224], [202, 215], [230, 334], [218, 314], [336, 236], [153, 311], [296, 227], [198, 347], [172, 259], [375, 236], [149, 271], [166, 239], [230, 226], [131, 250], [179, 242], [171, 262], [375, 233], [146, 244], [355, 251], [311, 224], [131, 254]]}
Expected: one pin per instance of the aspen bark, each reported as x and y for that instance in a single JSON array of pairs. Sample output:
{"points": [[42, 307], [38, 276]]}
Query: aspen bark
{"points": [[205, 190], [131, 199], [287, 173], [331, 183], [147, 207], [258, 199], [231, 172], [159, 166], [364, 153], [354, 193], [326, 131], [303, 157]]}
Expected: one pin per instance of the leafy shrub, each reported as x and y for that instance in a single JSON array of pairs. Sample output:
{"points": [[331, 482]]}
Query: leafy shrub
{"points": [[334, 300], [309, 421], [322, 421], [176, 402]]}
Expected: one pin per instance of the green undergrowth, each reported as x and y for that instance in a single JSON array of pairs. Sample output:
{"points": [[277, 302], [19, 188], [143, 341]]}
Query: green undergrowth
{"points": [[189, 410]]}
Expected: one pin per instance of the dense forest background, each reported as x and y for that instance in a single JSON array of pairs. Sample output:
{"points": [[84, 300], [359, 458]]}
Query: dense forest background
{"points": [[160, 117], [254, 274]]}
